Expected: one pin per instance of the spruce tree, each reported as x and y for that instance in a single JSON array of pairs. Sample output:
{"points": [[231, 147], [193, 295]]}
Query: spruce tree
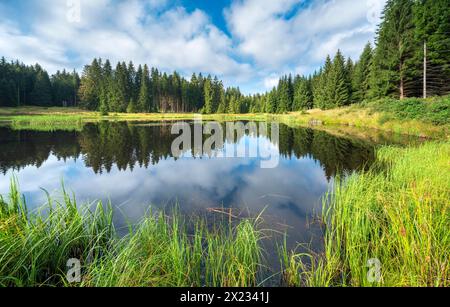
{"points": [[209, 96], [144, 104], [361, 75], [41, 95], [337, 83], [391, 69], [432, 27], [303, 96]]}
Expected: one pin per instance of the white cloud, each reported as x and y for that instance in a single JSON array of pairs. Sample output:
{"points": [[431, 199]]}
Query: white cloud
{"points": [[266, 37], [271, 81], [142, 31], [266, 31]]}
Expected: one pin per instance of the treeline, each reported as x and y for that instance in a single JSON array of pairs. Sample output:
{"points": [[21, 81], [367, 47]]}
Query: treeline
{"points": [[127, 89], [413, 40], [31, 85]]}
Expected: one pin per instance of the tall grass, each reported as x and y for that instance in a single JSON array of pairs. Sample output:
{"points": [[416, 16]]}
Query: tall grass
{"points": [[397, 213], [47, 122], [35, 248], [399, 216]]}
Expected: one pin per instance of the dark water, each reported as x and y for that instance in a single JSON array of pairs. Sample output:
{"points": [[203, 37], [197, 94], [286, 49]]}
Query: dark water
{"points": [[131, 164]]}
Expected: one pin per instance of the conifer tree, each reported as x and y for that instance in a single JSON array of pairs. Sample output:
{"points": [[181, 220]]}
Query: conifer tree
{"points": [[303, 96], [391, 68], [209, 96], [337, 83], [361, 75], [144, 104], [41, 95]]}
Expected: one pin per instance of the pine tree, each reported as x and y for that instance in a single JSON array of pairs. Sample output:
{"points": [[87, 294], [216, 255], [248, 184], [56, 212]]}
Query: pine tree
{"points": [[209, 96], [432, 27], [361, 75], [283, 95], [41, 94], [303, 96], [222, 100], [322, 96], [144, 102], [337, 83], [391, 70], [90, 86]]}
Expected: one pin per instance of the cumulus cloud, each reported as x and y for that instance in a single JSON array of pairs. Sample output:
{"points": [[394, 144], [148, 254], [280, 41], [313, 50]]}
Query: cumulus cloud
{"points": [[265, 38], [284, 34], [143, 31]]}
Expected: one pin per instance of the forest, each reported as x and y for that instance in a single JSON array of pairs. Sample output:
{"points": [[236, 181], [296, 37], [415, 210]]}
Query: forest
{"points": [[413, 41]]}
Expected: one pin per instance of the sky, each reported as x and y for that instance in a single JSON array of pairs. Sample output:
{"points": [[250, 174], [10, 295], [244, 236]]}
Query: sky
{"points": [[246, 43]]}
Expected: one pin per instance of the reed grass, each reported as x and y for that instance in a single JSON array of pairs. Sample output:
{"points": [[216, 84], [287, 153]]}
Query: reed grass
{"points": [[398, 213], [35, 247], [399, 216]]}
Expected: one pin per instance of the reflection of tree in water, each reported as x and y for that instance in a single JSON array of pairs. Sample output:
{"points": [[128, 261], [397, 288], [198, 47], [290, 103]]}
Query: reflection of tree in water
{"points": [[19, 149], [126, 145], [334, 154]]}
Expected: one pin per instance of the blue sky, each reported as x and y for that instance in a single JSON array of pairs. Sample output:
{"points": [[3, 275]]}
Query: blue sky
{"points": [[247, 43]]}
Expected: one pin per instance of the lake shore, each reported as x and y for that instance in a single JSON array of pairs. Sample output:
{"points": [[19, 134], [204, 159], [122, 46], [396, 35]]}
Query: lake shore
{"points": [[394, 215], [378, 115]]}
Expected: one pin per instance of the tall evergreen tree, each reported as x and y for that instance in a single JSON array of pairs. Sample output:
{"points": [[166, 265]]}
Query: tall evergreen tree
{"points": [[337, 83], [90, 86], [432, 32], [144, 102], [41, 95], [361, 75], [303, 96], [209, 96], [395, 48]]}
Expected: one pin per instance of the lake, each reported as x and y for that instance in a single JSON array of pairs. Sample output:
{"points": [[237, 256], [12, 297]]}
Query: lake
{"points": [[132, 165]]}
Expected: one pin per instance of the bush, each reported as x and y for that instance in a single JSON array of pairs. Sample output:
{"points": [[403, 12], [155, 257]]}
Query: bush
{"points": [[434, 110]]}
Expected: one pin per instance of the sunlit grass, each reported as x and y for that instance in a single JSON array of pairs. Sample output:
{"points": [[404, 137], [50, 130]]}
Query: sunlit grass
{"points": [[35, 247], [400, 216], [422, 118]]}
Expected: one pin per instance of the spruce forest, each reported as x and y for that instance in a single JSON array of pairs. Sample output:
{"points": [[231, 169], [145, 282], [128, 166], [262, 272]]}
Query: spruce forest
{"points": [[394, 68]]}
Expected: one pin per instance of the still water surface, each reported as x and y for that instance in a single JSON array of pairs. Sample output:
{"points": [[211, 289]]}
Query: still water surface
{"points": [[131, 165]]}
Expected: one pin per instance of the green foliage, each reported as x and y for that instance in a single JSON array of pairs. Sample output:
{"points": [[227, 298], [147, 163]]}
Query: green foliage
{"points": [[361, 75], [396, 213], [41, 95], [303, 97], [35, 247], [391, 69], [435, 110]]}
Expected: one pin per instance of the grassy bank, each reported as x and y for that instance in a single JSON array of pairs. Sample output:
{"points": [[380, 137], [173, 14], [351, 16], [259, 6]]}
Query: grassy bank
{"points": [[399, 216], [417, 117], [35, 248], [428, 118]]}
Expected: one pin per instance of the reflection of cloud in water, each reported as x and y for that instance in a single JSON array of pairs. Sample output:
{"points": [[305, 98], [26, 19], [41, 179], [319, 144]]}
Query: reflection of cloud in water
{"points": [[289, 191]]}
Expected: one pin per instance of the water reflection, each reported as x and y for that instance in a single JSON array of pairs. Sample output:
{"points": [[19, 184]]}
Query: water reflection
{"points": [[131, 165], [128, 146]]}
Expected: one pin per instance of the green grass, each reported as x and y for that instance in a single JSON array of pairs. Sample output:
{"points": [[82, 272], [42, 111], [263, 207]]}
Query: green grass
{"points": [[427, 118], [398, 214], [35, 248], [47, 122], [433, 110]]}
